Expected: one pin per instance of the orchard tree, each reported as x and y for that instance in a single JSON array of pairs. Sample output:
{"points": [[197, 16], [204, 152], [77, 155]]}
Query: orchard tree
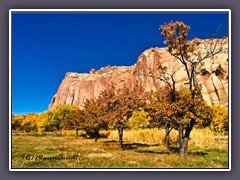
{"points": [[159, 107], [188, 54], [116, 111], [200, 113], [93, 115], [187, 51], [60, 113], [120, 105], [162, 100], [90, 118], [128, 101], [75, 120]]}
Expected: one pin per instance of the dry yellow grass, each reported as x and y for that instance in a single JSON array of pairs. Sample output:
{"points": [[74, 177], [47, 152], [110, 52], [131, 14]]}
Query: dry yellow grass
{"points": [[199, 137], [106, 154]]}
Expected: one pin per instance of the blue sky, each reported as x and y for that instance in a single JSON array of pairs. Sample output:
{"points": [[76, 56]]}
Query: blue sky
{"points": [[46, 45]]}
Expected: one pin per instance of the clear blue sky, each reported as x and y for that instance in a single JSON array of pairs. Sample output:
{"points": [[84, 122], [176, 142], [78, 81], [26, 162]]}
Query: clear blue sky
{"points": [[46, 45]]}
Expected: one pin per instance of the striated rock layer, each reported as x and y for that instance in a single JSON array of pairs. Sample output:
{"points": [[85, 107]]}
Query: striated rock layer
{"points": [[212, 75]]}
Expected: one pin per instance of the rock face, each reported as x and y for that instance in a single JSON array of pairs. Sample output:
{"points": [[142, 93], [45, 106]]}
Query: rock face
{"points": [[212, 76]]}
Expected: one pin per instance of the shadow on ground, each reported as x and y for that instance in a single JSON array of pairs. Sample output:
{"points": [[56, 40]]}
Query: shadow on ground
{"points": [[198, 153], [170, 150], [137, 145], [127, 146], [111, 141]]}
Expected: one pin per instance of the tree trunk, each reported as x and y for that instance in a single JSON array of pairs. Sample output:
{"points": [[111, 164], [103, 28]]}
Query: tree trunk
{"points": [[96, 134], [76, 133], [190, 127], [120, 134], [180, 135], [167, 143], [184, 147]]}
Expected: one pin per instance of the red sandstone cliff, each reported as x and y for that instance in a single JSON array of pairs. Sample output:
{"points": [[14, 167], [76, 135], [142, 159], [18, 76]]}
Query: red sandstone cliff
{"points": [[212, 76]]}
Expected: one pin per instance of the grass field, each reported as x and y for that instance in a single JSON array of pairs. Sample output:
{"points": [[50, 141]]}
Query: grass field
{"points": [[62, 150]]}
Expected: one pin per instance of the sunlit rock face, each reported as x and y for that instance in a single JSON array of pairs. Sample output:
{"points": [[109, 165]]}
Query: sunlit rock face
{"points": [[212, 76]]}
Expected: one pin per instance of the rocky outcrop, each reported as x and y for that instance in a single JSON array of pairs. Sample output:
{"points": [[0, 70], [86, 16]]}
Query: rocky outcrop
{"points": [[212, 77]]}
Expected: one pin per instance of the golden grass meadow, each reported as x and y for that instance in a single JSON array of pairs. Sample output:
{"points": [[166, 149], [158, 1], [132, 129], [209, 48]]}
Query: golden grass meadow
{"points": [[143, 148]]}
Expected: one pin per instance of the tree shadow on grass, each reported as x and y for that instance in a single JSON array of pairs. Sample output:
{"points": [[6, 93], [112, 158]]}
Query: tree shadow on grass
{"points": [[111, 141], [136, 145], [127, 146], [197, 153], [172, 150], [153, 152]]}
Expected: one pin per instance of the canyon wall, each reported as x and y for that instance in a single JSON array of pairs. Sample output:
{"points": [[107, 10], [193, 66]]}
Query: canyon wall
{"points": [[212, 76]]}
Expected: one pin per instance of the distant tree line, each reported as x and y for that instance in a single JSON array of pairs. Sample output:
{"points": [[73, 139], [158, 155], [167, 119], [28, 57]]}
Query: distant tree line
{"points": [[126, 109]]}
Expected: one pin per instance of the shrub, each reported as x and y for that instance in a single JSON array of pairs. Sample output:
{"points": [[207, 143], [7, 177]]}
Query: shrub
{"points": [[220, 118]]}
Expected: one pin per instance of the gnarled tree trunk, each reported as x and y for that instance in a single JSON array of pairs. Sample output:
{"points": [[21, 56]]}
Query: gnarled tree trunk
{"points": [[180, 134], [76, 135], [184, 147], [96, 130], [167, 142], [120, 134]]}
